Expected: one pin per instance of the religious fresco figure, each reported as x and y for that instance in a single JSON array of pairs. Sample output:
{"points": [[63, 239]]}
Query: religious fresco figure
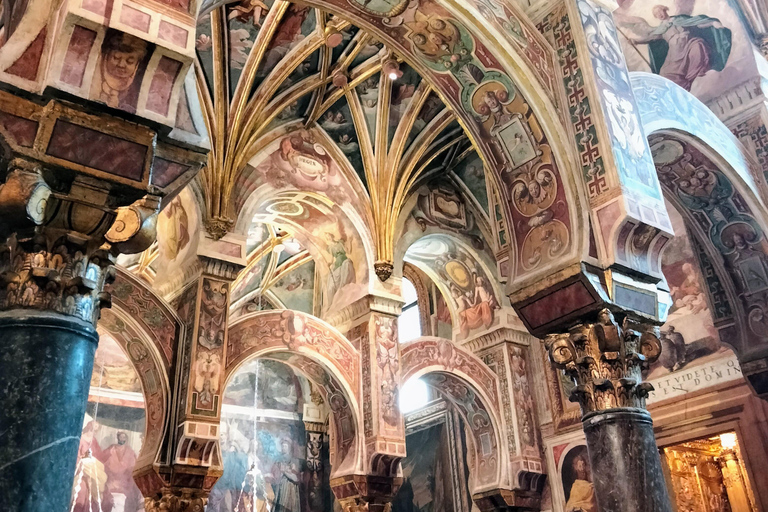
{"points": [[476, 309], [682, 47], [581, 496], [342, 269], [226, 494], [119, 460], [90, 492], [287, 478], [176, 233]]}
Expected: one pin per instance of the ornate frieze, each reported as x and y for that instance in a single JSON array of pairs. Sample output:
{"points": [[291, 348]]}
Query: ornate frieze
{"points": [[605, 361]]}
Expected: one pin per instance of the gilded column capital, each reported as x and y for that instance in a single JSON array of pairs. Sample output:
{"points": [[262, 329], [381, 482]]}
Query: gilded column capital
{"points": [[171, 502], [60, 240], [605, 360]]}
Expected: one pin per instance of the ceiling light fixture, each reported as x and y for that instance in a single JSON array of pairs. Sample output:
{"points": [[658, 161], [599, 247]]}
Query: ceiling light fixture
{"points": [[392, 69]]}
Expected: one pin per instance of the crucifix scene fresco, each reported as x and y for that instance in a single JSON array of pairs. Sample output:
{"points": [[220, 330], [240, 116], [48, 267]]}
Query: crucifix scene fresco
{"points": [[383, 256]]}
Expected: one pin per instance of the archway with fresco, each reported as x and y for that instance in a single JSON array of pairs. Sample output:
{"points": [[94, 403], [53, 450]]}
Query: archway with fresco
{"points": [[128, 404], [471, 390], [291, 412], [710, 184]]}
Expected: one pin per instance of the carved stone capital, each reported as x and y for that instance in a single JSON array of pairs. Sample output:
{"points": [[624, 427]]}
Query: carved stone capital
{"points": [[217, 227], [605, 361], [171, 501], [59, 240]]}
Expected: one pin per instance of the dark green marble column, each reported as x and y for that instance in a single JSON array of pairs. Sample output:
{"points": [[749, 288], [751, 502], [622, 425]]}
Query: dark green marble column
{"points": [[605, 360], [46, 360]]}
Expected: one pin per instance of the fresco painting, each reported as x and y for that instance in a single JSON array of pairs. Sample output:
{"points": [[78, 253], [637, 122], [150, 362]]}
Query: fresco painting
{"points": [[337, 122], [368, 92], [296, 288], [689, 337], [265, 447], [177, 241], [576, 479], [698, 44], [459, 273], [119, 73], [112, 436], [403, 90], [471, 172]]}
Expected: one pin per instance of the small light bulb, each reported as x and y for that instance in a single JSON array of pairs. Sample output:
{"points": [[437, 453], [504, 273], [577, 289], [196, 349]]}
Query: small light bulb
{"points": [[393, 75]]}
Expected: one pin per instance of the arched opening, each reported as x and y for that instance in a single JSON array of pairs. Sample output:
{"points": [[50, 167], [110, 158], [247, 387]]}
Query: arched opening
{"points": [[409, 322], [113, 434], [274, 441]]}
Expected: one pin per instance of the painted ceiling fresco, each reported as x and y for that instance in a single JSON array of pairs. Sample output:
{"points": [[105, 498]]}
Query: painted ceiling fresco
{"points": [[699, 44]]}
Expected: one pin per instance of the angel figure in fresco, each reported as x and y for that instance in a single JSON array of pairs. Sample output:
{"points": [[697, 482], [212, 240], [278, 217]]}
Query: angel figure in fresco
{"points": [[342, 269], [682, 47], [582, 498], [248, 10], [286, 475]]}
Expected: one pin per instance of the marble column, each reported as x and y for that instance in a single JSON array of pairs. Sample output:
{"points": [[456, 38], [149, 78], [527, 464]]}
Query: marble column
{"points": [[605, 359], [56, 254]]}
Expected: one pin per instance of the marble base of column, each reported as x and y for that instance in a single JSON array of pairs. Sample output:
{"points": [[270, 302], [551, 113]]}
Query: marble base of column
{"points": [[46, 361], [625, 462]]}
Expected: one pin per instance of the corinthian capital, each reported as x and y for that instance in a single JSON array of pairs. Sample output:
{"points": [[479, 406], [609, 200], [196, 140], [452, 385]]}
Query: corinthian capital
{"points": [[605, 361]]}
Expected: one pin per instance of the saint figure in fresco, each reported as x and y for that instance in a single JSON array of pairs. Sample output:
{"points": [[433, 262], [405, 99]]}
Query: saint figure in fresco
{"points": [[286, 477], [122, 58], [226, 494], [119, 460], [477, 309], [582, 496], [342, 271], [90, 492], [682, 48]]}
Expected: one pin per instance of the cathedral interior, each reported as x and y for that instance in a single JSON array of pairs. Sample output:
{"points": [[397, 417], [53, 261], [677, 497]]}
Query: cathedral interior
{"points": [[383, 255]]}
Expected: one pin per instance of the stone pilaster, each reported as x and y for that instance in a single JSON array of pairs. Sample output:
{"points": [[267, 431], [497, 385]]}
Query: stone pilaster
{"points": [[316, 470], [605, 360], [509, 358], [192, 461]]}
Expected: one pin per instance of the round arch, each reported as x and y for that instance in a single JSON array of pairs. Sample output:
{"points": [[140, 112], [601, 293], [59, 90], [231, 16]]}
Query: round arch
{"points": [[474, 390], [322, 355], [705, 173], [147, 329]]}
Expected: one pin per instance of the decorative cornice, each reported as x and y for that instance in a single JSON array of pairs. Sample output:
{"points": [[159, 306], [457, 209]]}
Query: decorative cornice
{"points": [[503, 334], [739, 102], [219, 268]]}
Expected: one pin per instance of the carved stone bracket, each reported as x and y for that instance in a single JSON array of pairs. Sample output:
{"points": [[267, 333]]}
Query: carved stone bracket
{"points": [[366, 493], [605, 360], [60, 242]]}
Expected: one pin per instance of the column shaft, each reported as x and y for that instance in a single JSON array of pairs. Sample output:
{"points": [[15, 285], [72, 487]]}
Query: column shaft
{"points": [[45, 374], [625, 462]]}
